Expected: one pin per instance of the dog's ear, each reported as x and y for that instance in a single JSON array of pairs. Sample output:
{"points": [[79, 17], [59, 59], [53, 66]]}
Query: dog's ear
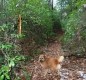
{"points": [[45, 55]]}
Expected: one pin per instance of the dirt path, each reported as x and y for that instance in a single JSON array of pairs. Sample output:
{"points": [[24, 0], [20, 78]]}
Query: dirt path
{"points": [[72, 68]]}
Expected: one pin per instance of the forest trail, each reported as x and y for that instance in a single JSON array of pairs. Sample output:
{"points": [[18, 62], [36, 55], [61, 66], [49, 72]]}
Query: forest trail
{"points": [[72, 68]]}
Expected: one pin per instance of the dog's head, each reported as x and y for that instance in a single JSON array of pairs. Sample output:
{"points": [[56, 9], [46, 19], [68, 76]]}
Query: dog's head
{"points": [[41, 58]]}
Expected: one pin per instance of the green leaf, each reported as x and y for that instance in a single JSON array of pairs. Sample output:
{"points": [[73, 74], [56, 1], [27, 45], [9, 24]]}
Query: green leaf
{"points": [[1, 77], [5, 68], [7, 76], [12, 64]]}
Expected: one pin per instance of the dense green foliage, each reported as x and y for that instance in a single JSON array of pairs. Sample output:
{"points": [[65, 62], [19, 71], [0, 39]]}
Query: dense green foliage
{"points": [[36, 17], [10, 52], [73, 20]]}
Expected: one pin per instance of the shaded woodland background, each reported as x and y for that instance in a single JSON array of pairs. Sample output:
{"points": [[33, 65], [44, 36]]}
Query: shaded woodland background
{"points": [[41, 24]]}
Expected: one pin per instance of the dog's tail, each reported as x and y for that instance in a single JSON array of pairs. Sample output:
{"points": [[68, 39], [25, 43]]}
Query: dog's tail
{"points": [[61, 58]]}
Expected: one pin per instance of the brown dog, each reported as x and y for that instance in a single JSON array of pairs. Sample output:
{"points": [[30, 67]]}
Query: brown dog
{"points": [[50, 63]]}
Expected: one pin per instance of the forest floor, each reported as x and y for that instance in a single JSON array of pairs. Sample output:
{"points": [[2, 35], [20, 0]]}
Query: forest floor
{"points": [[72, 68]]}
